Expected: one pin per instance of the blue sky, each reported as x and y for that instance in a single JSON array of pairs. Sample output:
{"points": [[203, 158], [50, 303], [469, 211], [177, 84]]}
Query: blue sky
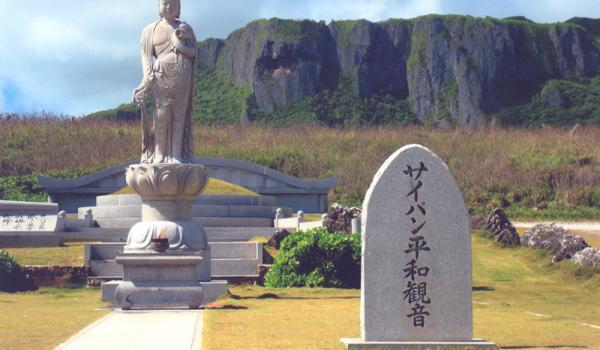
{"points": [[76, 57]]}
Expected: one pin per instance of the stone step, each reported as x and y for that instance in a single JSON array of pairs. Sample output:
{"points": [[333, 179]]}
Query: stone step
{"points": [[200, 211], [214, 234], [95, 234], [127, 222], [110, 270], [218, 250], [133, 199], [233, 259], [105, 268], [76, 223], [234, 267], [236, 250], [25, 240], [102, 251]]}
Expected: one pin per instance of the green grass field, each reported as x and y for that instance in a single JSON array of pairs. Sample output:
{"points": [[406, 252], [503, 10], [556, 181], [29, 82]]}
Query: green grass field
{"points": [[45, 318], [521, 301], [213, 186], [69, 255]]}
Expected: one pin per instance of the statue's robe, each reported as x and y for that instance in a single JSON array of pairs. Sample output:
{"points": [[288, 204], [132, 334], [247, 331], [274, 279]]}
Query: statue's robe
{"points": [[168, 84]]}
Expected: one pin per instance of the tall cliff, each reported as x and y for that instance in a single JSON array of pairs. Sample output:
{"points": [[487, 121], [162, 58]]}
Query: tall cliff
{"points": [[452, 69]]}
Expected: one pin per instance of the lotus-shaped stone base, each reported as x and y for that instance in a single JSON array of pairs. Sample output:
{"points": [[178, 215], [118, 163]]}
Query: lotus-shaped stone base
{"points": [[168, 181]]}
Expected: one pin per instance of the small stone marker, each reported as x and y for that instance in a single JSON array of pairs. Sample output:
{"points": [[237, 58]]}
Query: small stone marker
{"points": [[416, 258], [28, 217]]}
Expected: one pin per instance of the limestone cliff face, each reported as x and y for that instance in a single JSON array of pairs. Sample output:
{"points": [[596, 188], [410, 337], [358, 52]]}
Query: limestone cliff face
{"points": [[455, 69]]}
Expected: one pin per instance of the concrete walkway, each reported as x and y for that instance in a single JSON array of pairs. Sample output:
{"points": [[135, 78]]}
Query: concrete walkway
{"points": [[148, 330]]}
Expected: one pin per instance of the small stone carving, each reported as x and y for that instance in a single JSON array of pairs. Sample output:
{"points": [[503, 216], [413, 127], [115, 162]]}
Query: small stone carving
{"points": [[555, 239], [277, 238], [339, 218], [589, 256], [503, 230]]}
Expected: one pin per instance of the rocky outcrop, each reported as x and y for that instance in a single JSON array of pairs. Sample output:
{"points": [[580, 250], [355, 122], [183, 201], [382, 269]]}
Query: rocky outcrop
{"points": [[588, 256], [454, 69], [556, 239], [277, 238], [503, 230], [339, 218]]}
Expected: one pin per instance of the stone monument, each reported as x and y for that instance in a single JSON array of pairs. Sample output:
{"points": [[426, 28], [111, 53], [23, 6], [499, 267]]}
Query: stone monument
{"points": [[416, 258], [166, 261], [27, 224]]}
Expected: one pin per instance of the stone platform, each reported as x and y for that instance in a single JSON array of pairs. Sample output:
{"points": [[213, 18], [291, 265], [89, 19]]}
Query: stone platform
{"points": [[123, 211], [228, 260], [359, 344]]}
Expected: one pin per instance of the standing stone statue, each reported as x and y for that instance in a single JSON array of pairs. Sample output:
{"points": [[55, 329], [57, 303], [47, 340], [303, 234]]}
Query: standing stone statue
{"points": [[168, 62], [166, 261]]}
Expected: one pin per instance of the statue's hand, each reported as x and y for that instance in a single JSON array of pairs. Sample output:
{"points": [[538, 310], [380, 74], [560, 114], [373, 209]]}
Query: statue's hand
{"points": [[140, 93], [176, 41]]}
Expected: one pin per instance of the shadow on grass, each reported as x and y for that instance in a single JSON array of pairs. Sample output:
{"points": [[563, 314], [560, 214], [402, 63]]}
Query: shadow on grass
{"points": [[275, 296], [483, 289], [544, 347], [227, 307]]}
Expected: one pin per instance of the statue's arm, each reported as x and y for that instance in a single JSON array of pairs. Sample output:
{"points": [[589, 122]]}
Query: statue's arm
{"points": [[146, 53], [185, 42]]}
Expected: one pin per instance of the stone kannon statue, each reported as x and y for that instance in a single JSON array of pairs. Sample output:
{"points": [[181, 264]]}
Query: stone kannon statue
{"points": [[168, 62]]}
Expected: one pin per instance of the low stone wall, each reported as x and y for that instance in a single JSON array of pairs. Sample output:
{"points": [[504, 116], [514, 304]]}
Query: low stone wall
{"points": [[57, 276]]}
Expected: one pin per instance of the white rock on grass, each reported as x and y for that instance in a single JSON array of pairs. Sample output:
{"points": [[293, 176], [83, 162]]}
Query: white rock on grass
{"points": [[555, 239], [589, 256]]}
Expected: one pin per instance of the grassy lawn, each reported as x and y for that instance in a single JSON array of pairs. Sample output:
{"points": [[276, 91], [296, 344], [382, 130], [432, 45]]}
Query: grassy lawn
{"points": [[43, 319], [520, 301], [214, 186], [69, 255]]}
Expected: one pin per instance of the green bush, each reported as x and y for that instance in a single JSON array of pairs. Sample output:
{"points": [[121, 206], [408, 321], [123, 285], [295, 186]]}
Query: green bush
{"points": [[27, 188], [316, 258], [12, 277]]}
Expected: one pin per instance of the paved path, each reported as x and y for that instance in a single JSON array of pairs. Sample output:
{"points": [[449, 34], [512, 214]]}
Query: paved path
{"points": [[148, 330]]}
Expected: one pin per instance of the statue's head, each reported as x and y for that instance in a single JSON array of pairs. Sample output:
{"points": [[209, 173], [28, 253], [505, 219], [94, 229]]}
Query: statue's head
{"points": [[169, 9]]}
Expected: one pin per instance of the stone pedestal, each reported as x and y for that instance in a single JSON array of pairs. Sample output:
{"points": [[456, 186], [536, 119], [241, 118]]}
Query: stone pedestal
{"points": [[359, 344], [179, 277], [158, 280]]}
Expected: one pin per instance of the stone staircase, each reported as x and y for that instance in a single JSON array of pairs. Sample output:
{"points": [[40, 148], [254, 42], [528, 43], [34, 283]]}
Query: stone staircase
{"points": [[123, 211], [213, 234], [229, 260]]}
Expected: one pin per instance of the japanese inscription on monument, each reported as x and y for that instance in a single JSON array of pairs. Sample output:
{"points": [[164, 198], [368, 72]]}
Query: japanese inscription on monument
{"points": [[25, 223], [28, 217], [416, 288]]}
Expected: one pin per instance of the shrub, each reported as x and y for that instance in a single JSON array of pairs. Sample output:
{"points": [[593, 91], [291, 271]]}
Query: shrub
{"points": [[316, 258], [12, 277]]}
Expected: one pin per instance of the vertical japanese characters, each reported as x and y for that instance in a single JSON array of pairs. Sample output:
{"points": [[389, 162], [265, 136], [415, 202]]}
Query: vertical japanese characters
{"points": [[415, 272]]}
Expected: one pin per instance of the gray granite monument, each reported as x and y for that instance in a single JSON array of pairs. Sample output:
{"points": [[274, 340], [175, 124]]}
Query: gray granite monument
{"points": [[416, 258], [27, 224], [166, 262]]}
